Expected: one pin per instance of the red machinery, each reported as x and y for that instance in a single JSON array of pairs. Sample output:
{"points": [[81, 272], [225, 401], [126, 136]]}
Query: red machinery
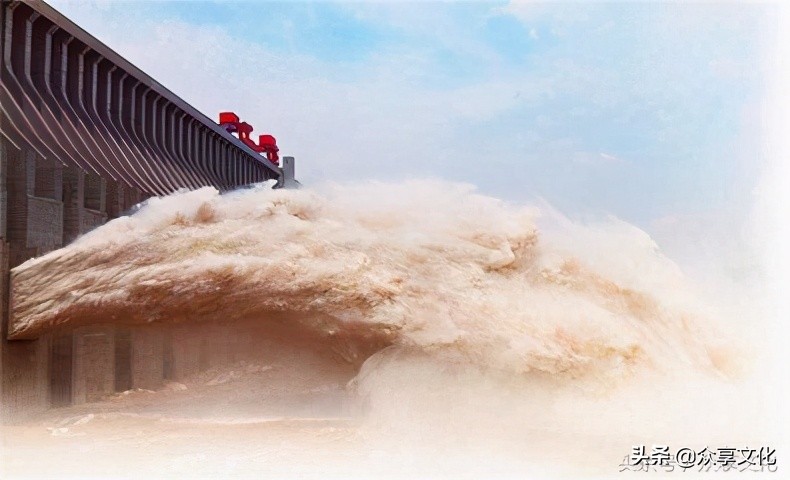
{"points": [[267, 144]]}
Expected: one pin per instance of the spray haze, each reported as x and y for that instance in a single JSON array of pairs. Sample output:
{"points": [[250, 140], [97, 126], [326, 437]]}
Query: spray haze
{"points": [[430, 265], [473, 333]]}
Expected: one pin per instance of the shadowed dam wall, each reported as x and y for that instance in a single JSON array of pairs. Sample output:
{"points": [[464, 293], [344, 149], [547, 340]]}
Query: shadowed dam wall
{"points": [[45, 205], [84, 136]]}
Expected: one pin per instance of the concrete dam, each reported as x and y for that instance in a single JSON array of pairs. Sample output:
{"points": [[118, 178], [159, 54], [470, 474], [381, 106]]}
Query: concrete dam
{"points": [[173, 306], [85, 136]]}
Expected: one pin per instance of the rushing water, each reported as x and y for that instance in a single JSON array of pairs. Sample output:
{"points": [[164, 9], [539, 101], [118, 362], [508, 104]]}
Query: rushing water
{"points": [[476, 337]]}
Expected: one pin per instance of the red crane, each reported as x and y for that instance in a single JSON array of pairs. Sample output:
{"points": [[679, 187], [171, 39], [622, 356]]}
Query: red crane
{"points": [[267, 144]]}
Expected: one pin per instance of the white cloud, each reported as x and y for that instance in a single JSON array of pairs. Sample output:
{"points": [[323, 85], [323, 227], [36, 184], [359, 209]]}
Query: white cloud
{"points": [[609, 157], [389, 116], [378, 124]]}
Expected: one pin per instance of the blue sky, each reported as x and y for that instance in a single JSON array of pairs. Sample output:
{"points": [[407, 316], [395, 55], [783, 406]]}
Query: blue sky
{"points": [[647, 111]]}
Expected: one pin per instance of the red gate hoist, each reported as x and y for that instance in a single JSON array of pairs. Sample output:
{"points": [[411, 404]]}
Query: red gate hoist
{"points": [[267, 144]]}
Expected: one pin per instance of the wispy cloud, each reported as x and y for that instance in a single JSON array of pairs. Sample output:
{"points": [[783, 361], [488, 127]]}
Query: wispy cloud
{"points": [[524, 99]]}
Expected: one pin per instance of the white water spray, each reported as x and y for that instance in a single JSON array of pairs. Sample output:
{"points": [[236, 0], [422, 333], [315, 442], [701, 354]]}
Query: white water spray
{"points": [[489, 334]]}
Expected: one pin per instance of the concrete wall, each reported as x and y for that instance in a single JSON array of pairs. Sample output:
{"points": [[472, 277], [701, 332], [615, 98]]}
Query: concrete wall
{"points": [[187, 352], [93, 374], [147, 359], [43, 206], [44, 224]]}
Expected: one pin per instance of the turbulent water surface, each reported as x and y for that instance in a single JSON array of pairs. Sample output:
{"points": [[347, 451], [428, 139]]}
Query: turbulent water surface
{"points": [[492, 337]]}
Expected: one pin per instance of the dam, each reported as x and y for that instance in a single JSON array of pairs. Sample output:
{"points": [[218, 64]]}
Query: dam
{"points": [[84, 137], [169, 314]]}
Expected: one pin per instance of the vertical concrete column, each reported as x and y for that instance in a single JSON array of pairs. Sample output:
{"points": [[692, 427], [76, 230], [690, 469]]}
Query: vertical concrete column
{"points": [[30, 172], [94, 363], [24, 385], [73, 201], [4, 274], [95, 192], [21, 166], [123, 359], [186, 351], [3, 186], [44, 205], [61, 360], [147, 357], [114, 199], [48, 179]]}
